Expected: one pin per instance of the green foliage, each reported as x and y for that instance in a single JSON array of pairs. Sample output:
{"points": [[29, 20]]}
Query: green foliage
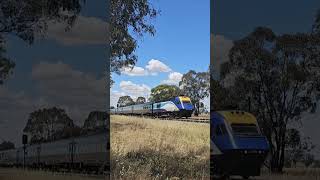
{"points": [[298, 148], [141, 100], [164, 92], [128, 16], [5, 145], [28, 18], [196, 86], [6, 65], [125, 101], [309, 159], [280, 75], [221, 98], [48, 125], [25, 18]]}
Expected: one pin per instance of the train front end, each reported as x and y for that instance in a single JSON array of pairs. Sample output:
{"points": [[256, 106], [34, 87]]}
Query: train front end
{"points": [[238, 137], [184, 105]]}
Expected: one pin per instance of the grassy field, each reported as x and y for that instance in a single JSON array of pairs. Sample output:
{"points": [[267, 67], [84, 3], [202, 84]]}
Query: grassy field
{"points": [[143, 148], [288, 174], [19, 174]]}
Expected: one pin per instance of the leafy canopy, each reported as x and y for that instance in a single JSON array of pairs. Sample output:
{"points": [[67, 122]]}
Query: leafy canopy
{"points": [[28, 18], [164, 92], [125, 101], [280, 75], [130, 19]]}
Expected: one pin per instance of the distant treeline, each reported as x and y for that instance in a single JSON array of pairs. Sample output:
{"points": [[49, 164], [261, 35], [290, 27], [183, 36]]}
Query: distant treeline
{"points": [[51, 124]]}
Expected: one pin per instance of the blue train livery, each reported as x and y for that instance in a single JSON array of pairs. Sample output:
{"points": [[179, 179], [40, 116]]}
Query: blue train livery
{"points": [[177, 107], [237, 144]]}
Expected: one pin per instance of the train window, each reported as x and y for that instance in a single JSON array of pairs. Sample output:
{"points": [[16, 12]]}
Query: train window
{"points": [[178, 102], [220, 130], [245, 129], [223, 129]]}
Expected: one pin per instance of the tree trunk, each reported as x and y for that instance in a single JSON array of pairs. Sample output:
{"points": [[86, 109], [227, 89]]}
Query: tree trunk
{"points": [[196, 112], [277, 160]]}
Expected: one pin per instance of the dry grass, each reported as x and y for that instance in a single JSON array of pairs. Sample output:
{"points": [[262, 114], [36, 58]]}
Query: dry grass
{"points": [[19, 174], [292, 174], [143, 148]]}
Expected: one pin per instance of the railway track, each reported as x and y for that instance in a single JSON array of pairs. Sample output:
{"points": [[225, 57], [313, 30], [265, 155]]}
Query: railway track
{"points": [[198, 120], [192, 119]]}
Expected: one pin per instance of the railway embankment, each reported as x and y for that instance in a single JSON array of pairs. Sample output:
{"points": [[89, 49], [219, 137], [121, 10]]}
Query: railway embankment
{"points": [[144, 148]]}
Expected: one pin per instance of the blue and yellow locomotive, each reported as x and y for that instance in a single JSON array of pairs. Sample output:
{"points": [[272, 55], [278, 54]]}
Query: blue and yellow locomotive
{"points": [[237, 144], [179, 106]]}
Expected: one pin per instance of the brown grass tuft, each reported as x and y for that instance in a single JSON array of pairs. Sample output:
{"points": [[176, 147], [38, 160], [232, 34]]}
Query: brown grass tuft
{"points": [[143, 148]]}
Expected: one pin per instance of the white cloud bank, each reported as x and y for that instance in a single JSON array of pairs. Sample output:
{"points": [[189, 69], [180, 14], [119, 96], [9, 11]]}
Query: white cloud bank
{"points": [[135, 90], [135, 71], [85, 31], [173, 78], [56, 84], [155, 66], [77, 92], [152, 68]]}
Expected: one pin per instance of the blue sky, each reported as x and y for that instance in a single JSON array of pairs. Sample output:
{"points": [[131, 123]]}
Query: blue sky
{"points": [[232, 20], [235, 19], [182, 43]]}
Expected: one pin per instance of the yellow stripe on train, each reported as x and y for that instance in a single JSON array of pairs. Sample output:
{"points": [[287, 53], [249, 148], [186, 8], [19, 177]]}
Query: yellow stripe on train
{"points": [[184, 98], [238, 117]]}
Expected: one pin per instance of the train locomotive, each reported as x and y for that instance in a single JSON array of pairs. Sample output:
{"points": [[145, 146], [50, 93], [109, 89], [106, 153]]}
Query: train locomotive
{"points": [[176, 107], [85, 153], [237, 144]]}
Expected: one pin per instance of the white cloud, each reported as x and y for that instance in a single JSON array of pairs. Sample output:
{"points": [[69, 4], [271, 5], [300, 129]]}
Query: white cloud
{"points": [[77, 92], [173, 78], [56, 84], [135, 90], [220, 47], [86, 30], [154, 66], [135, 71]]}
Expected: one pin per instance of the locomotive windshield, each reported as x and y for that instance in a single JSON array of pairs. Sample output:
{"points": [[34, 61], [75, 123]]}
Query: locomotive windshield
{"points": [[245, 129], [185, 99]]}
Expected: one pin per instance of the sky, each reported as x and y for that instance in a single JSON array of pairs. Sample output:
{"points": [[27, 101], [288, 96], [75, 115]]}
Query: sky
{"points": [[181, 43], [63, 69], [232, 20]]}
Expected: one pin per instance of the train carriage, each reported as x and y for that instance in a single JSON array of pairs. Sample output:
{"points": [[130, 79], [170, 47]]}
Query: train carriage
{"points": [[84, 152], [8, 157], [180, 106], [238, 146]]}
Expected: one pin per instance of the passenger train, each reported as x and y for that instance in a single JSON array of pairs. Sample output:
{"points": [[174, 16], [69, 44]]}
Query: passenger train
{"points": [[237, 144], [86, 153], [180, 106]]}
